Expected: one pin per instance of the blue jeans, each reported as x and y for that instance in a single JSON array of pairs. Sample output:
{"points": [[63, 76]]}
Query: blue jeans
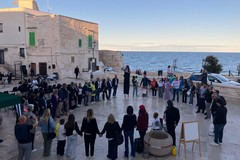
{"points": [[191, 98], [135, 90], [130, 135], [175, 91], [218, 132]]}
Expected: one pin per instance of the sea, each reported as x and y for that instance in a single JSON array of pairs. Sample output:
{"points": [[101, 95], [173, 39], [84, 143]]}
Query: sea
{"points": [[184, 61]]}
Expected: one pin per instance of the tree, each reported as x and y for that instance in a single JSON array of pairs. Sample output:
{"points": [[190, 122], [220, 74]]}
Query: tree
{"points": [[212, 65]]}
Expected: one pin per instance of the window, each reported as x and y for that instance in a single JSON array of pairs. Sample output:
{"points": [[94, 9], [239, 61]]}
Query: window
{"points": [[80, 43], [19, 29], [72, 59], [1, 57], [1, 27], [32, 39], [90, 39], [22, 52]]}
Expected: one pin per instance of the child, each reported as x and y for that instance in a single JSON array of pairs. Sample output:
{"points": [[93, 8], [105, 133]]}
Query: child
{"points": [[156, 123], [61, 137]]}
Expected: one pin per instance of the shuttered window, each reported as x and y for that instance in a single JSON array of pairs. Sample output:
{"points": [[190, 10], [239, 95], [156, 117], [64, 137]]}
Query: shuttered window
{"points": [[80, 43], [32, 39], [90, 39]]}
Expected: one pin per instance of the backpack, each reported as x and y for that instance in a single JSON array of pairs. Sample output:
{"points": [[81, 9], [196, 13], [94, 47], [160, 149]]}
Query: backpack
{"points": [[22, 133]]}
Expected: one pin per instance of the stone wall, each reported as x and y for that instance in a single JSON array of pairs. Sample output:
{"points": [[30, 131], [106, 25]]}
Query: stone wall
{"points": [[113, 59]]}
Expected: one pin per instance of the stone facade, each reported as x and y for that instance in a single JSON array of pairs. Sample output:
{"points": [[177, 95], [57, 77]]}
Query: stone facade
{"points": [[61, 43], [113, 59]]}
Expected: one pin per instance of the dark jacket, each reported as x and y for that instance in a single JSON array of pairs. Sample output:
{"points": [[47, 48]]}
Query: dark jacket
{"points": [[172, 116], [129, 122], [90, 127], [69, 130], [142, 122], [115, 82], [220, 116], [208, 96], [111, 129], [24, 128], [145, 81]]}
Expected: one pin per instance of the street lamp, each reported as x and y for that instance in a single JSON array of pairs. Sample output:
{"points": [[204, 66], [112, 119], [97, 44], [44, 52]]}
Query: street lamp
{"points": [[93, 61]]}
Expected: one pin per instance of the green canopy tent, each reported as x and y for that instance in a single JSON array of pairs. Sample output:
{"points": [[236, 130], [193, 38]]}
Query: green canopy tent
{"points": [[7, 100]]}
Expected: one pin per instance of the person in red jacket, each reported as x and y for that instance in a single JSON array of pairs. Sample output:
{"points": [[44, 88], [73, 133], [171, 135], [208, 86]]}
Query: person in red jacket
{"points": [[142, 122]]}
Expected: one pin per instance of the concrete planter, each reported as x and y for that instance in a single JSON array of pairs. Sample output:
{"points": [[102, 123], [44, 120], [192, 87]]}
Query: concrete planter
{"points": [[158, 143]]}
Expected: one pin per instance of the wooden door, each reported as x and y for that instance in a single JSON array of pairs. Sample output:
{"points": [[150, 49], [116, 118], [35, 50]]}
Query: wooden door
{"points": [[43, 68]]}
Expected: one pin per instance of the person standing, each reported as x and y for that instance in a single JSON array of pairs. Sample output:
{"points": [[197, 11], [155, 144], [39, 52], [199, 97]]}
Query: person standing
{"points": [[61, 137], [208, 99], [142, 124], [31, 120], [204, 76], [47, 125], [167, 88], [111, 128], [176, 85], [128, 125], [98, 89], [104, 89], [23, 136], [115, 82], [172, 117], [185, 89], [219, 122], [126, 81], [144, 83], [90, 129], [135, 85], [76, 71], [160, 87], [72, 129], [192, 92], [154, 87], [202, 104], [109, 88]]}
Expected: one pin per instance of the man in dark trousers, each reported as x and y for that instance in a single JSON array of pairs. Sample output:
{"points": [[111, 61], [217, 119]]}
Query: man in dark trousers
{"points": [[109, 88], [115, 85], [172, 117], [76, 71], [219, 121]]}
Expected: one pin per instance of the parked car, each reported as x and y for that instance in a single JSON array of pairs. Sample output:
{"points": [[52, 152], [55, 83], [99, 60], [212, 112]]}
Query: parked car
{"points": [[108, 69], [214, 79]]}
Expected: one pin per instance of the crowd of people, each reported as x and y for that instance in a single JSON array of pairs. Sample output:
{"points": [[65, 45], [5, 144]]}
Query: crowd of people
{"points": [[45, 105]]}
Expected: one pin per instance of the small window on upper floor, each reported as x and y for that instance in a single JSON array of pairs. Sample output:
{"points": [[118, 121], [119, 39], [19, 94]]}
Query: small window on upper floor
{"points": [[72, 59], [19, 29], [22, 52], [1, 57], [1, 27]]}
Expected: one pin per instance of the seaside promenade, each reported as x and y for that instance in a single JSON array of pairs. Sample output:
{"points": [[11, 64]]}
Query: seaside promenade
{"points": [[228, 151]]}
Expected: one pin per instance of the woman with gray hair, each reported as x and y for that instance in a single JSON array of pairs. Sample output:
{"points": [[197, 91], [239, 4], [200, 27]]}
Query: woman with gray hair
{"points": [[31, 119]]}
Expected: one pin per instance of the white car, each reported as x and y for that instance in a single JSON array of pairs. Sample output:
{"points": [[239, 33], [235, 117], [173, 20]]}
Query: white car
{"points": [[108, 69], [214, 79]]}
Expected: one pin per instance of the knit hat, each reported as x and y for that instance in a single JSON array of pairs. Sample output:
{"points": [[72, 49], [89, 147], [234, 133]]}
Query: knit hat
{"points": [[142, 107]]}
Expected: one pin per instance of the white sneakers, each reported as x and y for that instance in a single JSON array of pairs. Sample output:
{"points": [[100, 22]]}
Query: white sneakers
{"points": [[214, 144]]}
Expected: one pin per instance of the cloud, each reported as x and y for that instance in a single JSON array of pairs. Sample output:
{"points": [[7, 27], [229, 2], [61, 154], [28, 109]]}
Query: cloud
{"points": [[168, 47]]}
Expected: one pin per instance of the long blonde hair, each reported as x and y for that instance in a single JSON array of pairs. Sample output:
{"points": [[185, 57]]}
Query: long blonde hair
{"points": [[111, 119], [46, 114]]}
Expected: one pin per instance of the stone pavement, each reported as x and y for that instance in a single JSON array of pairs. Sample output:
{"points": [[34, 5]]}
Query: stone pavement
{"points": [[228, 151]]}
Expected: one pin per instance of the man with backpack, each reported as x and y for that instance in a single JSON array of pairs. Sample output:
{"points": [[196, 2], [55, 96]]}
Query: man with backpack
{"points": [[23, 136]]}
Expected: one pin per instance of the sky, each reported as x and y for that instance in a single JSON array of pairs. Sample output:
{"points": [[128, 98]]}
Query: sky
{"points": [[156, 25]]}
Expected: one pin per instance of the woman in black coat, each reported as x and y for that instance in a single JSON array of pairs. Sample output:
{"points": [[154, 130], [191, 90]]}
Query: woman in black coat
{"points": [[126, 81], [90, 129], [111, 128]]}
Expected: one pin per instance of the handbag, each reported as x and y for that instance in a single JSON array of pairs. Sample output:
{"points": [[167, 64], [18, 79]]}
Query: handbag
{"points": [[119, 137], [51, 135]]}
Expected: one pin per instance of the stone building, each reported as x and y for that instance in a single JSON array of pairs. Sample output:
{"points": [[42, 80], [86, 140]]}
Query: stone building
{"points": [[47, 43]]}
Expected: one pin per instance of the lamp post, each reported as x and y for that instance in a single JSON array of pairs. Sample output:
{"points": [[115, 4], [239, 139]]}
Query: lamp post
{"points": [[94, 43]]}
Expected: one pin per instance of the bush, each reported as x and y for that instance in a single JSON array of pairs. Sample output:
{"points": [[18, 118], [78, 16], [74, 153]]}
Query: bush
{"points": [[212, 65]]}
